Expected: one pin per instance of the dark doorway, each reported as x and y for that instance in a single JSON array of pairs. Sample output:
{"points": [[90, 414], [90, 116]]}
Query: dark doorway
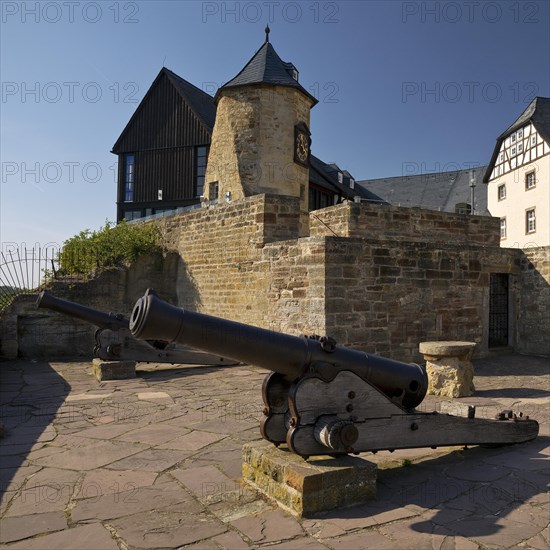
{"points": [[498, 310]]}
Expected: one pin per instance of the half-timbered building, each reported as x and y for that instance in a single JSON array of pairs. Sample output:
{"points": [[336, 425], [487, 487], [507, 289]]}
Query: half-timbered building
{"points": [[518, 178]]}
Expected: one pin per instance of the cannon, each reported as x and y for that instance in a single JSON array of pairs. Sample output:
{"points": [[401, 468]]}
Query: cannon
{"points": [[321, 398], [114, 341]]}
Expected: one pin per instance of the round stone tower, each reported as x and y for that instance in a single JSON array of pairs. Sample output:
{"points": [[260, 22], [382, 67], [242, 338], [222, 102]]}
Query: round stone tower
{"points": [[261, 139]]}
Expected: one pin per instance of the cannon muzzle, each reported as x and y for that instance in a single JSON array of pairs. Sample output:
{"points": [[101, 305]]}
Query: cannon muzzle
{"points": [[290, 356], [95, 317]]}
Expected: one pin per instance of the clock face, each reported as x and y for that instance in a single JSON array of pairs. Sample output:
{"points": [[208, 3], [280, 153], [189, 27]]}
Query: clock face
{"points": [[302, 147]]}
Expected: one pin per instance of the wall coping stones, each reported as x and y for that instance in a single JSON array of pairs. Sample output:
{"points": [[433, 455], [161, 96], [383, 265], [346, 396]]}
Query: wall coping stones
{"points": [[446, 349]]}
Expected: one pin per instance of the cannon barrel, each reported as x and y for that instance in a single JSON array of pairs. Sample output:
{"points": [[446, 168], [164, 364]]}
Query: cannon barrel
{"points": [[291, 356], [95, 317]]}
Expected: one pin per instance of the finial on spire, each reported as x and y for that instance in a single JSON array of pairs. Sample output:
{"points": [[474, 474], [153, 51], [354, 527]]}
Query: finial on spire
{"points": [[267, 31]]}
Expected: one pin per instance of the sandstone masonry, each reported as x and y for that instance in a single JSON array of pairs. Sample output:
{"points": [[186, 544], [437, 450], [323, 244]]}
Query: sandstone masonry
{"points": [[390, 278]]}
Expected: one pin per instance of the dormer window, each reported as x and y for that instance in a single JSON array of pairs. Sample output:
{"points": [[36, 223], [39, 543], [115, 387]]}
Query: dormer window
{"points": [[295, 74], [340, 177], [352, 183]]}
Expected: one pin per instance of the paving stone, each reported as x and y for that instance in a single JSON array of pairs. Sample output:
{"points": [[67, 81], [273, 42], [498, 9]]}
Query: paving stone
{"points": [[412, 533], [126, 503], [322, 528], [226, 426], [364, 539], [85, 537], [229, 540], [272, 526], [106, 431], [23, 527], [183, 524], [153, 434], [5, 499], [47, 450], [538, 542], [521, 461], [102, 482], [36, 434], [191, 441], [206, 482], [473, 471], [301, 543], [92, 456], [47, 491], [155, 396], [87, 397], [492, 530], [152, 460], [11, 479]]}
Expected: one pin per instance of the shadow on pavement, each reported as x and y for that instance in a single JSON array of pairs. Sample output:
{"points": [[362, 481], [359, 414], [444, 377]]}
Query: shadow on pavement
{"points": [[463, 493], [31, 396]]}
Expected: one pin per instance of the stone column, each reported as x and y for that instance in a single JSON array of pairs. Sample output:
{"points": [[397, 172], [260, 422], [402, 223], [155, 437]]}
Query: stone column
{"points": [[449, 367]]}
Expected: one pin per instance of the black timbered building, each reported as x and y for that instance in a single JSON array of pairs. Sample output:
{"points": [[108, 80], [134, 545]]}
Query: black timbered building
{"points": [[163, 150]]}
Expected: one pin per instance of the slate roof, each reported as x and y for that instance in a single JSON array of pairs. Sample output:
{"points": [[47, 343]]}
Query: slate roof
{"points": [[326, 175], [266, 67], [440, 191], [538, 113]]}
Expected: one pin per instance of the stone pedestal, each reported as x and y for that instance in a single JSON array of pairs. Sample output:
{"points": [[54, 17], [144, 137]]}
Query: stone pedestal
{"points": [[305, 488], [449, 368], [113, 370]]}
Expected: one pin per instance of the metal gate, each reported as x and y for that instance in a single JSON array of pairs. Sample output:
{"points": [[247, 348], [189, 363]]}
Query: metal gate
{"points": [[23, 270], [498, 310]]}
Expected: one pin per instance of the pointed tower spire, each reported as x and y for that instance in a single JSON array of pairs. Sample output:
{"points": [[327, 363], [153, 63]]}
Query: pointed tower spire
{"points": [[267, 31]]}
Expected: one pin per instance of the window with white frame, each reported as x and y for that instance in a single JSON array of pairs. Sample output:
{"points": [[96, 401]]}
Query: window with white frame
{"points": [[513, 152], [513, 138], [530, 221], [520, 147], [530, 180], [502, 228], [533, 140], [501, 191]]}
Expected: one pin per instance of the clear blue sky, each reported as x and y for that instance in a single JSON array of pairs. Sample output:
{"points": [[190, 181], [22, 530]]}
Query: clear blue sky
{"points": [[404, 87]]}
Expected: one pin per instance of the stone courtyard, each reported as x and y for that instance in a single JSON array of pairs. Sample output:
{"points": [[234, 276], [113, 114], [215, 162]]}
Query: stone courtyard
{"points": [[155, 462]]}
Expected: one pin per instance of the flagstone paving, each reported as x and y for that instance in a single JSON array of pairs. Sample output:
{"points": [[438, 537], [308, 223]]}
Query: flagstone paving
{"points": [[154, 462]]}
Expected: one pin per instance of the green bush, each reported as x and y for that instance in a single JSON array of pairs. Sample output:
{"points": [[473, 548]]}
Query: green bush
{"points": [[111, 246]]}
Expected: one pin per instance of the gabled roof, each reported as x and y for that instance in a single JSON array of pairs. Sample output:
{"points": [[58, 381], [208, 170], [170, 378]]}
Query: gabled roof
{"points": [[266, 67], [538, 113], [325, 175], [202, 103], [437, 191], [199, 101]]}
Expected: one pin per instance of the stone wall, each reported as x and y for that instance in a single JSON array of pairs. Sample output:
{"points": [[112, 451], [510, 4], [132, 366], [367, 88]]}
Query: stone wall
{"points": [[26, 331], [397, 224], [534, 293], [386, 298], [244, 261], [223, 270]]}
